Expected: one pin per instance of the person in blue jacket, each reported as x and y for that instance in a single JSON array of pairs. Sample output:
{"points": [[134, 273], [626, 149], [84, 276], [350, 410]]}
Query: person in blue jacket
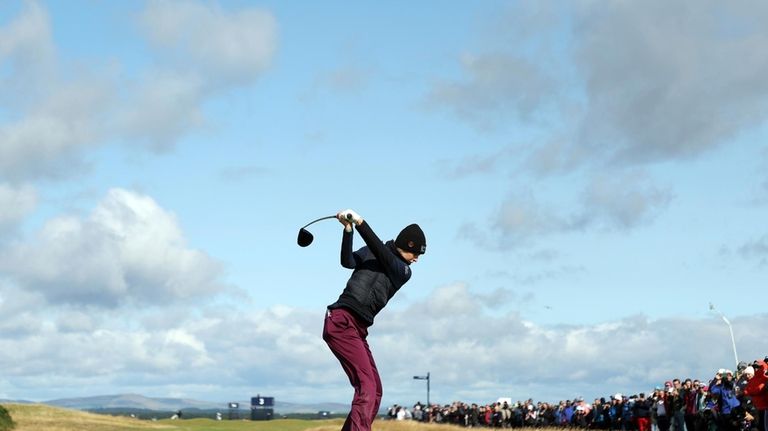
{"points": [[724, 388]]}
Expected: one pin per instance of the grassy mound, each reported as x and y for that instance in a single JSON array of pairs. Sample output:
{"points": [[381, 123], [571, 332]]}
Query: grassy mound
{"points": [[6, 422], [29, 417]]}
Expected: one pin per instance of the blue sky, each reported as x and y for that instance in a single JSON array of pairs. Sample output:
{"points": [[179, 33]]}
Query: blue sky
{"points": [[589, 176]]}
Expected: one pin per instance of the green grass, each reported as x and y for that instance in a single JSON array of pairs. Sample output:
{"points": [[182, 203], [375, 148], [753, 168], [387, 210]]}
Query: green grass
{"points": [[6, 422], [241, 425], [38, 417]]}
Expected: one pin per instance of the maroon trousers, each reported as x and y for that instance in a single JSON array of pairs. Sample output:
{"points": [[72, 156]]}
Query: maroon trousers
{"points": [[347, 339]]}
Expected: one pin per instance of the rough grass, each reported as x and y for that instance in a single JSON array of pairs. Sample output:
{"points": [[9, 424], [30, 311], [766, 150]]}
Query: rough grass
{"points": [[38, 417], [381, 425]]}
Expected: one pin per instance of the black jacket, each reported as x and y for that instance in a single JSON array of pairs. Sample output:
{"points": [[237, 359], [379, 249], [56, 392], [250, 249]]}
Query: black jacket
{"points": [[379, 272]]}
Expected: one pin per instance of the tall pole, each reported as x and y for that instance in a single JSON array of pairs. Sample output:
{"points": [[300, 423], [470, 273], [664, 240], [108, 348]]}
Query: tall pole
{"points": [[427, 388], [427, 379], [730, 329]]}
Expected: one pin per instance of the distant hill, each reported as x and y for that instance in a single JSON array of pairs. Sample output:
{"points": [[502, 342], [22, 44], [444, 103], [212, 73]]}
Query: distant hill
{"points": [[285, 407], [133, 401], [140, 402]]}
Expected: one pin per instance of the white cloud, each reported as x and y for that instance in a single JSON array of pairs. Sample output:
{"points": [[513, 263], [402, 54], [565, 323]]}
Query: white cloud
{"points": [[56, 108], [474, 352], [637, 82], [26, 48], [223, 46], [16, 202], [49, 119], [499, 87], [616, 200], [660, 78], [202, 51], [756, 250], [162, 107], [623, 201], [128, 251], [520, 218], [46, 141], [476, 164]]}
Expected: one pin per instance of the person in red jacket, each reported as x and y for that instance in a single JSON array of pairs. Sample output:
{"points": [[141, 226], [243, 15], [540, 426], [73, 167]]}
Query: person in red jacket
{"points": [[757, 388]]}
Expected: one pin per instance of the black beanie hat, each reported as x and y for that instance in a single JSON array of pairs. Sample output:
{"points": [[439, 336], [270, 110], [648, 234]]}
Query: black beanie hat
{"points": [[412, 239]]}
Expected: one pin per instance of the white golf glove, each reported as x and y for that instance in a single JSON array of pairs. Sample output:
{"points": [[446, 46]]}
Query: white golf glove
{"points": [[352, 216]]}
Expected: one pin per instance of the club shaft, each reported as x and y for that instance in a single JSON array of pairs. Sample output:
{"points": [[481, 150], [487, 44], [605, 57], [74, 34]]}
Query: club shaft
{"points": [[321, 218], [349, 217]]}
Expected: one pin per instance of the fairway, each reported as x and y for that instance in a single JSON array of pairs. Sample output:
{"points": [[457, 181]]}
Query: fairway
{"points": [[38, 417]]}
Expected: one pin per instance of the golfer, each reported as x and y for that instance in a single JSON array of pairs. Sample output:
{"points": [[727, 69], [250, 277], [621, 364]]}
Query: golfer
{"points": [[380, 270]]}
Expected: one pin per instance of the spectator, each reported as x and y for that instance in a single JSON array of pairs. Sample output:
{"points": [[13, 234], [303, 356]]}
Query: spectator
{"points": [[723, 387], [677, 404], [616, 411], [627, 414], [661, 408], [727, 404], [568, 413], [403, 414], [642, 413], [473, 416], [506, 415], [690, 391], [757, 389], [598, 420], [392, 411], [418, 412], [702, 408], [546, 415], [744, 376]]}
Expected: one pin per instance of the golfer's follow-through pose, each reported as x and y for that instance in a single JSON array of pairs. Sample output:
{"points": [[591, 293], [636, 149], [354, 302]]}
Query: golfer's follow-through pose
{"points": [[380, 270]]}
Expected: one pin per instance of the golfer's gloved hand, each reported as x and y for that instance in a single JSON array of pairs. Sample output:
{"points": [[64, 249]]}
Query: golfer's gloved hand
{"points": [[352, 216]]}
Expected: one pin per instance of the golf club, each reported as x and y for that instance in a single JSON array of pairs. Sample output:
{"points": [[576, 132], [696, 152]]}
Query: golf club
{"points": [[305, 238]]}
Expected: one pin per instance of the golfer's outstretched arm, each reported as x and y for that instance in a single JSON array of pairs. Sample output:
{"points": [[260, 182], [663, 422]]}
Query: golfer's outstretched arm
{"points": [[398, 271], [347, 256], [348, 259]]}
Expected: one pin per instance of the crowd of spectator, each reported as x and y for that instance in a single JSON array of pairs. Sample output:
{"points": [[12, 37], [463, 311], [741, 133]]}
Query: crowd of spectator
{"points": [[731, 401]]}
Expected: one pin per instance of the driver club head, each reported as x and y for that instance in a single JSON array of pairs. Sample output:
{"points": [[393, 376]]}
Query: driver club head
{"points": [[305, 238]]}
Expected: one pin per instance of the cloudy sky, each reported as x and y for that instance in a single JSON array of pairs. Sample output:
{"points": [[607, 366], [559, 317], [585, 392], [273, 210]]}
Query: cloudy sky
{"points": [[590, 176]]}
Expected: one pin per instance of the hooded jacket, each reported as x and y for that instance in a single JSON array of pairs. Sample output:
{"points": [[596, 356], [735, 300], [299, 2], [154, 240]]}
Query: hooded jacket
{"points": [[757, 387], [379, 272], [725, 389]]}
